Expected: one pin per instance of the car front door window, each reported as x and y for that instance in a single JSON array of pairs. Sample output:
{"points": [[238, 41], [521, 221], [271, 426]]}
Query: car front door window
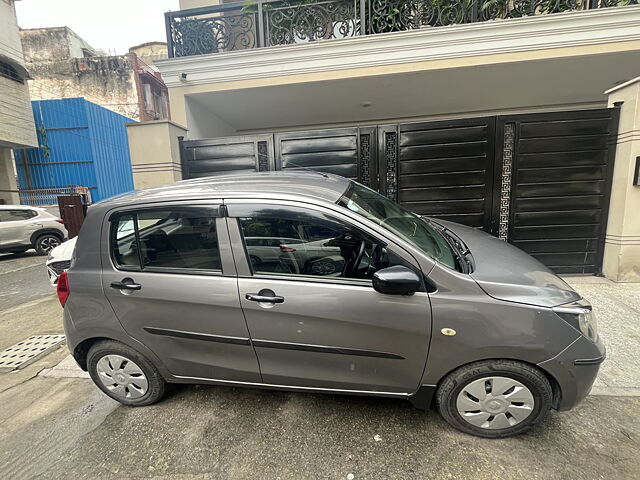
{"points": [[324, 248]]}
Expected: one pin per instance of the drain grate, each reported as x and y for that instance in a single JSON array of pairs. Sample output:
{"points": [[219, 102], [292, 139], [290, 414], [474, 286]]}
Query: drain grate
{"points": [[27, 351]]}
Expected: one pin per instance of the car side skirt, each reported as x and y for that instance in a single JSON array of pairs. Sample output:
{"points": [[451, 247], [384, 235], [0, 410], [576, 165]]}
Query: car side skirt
{"points": [[292, 388]]}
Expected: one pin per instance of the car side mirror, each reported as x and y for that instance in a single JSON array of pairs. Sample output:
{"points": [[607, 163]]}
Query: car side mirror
{"points": [[396, 280]]}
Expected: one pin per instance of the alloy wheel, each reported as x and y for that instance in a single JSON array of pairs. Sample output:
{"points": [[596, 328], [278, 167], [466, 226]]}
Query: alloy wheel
{"points": [[49, 243], [323, 267], [495, 403], [122, 377]]}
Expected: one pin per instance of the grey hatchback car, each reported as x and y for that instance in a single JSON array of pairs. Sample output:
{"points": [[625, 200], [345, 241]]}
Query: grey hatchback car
{"points": [[162, 289]]}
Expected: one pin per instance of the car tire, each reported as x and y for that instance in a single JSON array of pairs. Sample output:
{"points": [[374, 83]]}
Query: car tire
{"points": [[45, 243], [494, 398], [124, 374]]}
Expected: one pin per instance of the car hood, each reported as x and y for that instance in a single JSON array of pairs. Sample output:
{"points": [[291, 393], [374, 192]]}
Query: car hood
{"points": [[507, 273], [63, 251]]}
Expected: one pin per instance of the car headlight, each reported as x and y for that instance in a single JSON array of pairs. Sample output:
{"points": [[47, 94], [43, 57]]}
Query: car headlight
{"points": [[581, 318]]}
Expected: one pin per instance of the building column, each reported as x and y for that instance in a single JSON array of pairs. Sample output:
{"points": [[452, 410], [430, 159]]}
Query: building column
{"points": [[8, 178], [155, 152], [622, 242]]}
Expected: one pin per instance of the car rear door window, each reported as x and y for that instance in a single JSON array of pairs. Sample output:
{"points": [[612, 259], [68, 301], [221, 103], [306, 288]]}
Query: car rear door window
{"points": [[170, 240]]}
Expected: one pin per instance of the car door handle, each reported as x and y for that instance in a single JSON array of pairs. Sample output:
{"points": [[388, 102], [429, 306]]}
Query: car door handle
{"points": [[126, 284], [254, 297]]}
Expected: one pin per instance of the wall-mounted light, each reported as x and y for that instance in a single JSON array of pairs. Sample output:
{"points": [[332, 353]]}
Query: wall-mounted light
{"points": [[183, 77]]}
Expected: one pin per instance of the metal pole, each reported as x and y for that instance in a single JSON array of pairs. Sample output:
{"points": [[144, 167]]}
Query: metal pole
{"points": [[262, 39], [184, 167], [27, 172], [168, 17]]}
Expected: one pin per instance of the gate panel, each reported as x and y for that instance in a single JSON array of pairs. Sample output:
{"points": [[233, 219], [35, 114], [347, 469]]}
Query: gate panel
{"points": [[331, 151], [560, 186], [215, 156], [444, 169]]}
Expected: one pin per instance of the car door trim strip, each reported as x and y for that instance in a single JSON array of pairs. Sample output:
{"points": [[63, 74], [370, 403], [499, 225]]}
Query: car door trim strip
{"points": [[271, 344], [325, 349], [198, 336]]}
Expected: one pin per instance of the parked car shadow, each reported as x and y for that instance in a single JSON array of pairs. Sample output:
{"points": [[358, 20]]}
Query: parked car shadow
{"points": [[29, 253]]}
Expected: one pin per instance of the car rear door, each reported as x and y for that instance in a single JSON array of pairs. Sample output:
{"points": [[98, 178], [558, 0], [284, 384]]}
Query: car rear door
{"points": [[170, 278], [17, 226], [312, 324]]}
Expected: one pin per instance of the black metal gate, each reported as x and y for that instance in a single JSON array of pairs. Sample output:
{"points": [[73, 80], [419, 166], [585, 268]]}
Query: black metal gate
{"points": [[555, 186], [539, 181], [442, 169], [215, 156]]}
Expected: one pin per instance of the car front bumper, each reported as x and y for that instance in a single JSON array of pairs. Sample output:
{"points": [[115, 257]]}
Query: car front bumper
{"points": [[575, 369], [55, 268]]}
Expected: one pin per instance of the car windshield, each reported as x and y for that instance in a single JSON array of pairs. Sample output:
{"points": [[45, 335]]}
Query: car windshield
{"points": [[392, 217]]}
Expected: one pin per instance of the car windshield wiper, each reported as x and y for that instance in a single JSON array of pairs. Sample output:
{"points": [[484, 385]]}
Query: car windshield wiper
{"points": [[458, 247]]}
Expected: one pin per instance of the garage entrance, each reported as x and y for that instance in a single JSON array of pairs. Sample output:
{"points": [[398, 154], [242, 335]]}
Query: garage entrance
{"points": [[539, 181]]}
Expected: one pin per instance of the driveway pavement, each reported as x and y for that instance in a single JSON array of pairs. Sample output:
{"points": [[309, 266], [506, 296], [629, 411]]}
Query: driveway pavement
{"points": [[617, 309], [66, 428], [23, 279]]}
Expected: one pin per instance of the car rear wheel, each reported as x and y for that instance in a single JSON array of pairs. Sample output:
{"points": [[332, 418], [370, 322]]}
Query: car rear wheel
{"points": [[45, 243], [494, 398], [124, 374]]}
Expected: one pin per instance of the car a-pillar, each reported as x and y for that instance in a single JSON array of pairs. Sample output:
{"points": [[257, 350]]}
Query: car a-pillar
{"points": [[621, 261]]}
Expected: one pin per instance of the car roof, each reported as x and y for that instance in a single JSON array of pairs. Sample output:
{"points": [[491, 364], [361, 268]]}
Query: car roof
{"points": [[309, 184]]}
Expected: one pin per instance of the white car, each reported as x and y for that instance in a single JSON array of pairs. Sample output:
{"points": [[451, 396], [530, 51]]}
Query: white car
{"points": [[59, 260], [23, 227], [268, 249]]}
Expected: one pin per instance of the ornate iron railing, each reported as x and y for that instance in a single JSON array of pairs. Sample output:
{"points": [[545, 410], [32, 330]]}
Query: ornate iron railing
{"points": [[262, 23]]}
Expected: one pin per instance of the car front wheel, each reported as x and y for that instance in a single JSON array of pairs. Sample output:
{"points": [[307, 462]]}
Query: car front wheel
{"points": [[494, 398], [124, 374]]}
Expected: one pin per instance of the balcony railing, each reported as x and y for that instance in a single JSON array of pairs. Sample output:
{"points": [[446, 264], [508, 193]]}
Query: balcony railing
{"points": [[246, 25]]}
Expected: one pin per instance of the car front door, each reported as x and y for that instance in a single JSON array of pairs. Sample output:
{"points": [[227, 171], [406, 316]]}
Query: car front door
{"points": [[170, 278], [314, 317]]}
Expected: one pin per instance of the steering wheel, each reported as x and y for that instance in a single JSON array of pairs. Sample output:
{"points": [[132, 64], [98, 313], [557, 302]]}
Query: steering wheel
{"points": [[374, 260], [361, 249]]}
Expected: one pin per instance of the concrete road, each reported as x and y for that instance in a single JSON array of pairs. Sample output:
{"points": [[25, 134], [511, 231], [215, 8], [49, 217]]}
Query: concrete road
{"points": [[23, 279], [59, 428], [64, 428]]}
